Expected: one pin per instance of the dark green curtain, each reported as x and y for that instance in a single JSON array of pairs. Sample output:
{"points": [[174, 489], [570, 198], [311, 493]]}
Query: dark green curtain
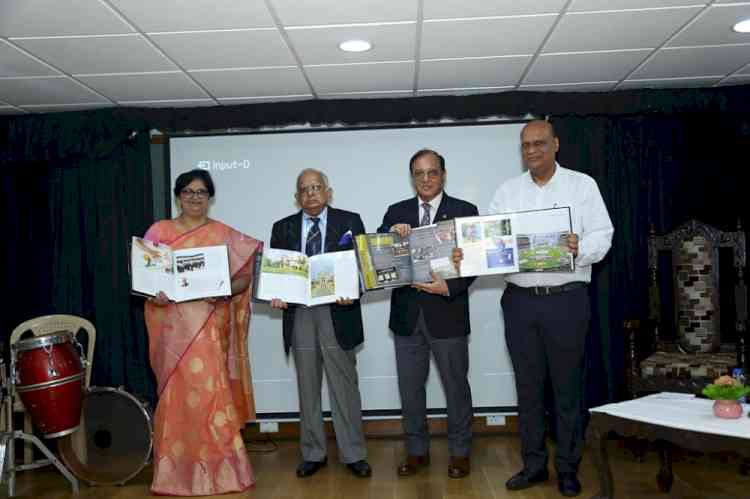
{"points": [[76, 188]]}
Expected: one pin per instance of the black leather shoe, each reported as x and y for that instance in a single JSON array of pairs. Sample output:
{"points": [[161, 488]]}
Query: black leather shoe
{"points": [[309, 468], [568, 484], [360, 469], [526, 478]]}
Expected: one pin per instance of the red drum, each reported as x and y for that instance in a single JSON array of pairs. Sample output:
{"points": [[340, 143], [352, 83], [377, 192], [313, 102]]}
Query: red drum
{"points": [[48, 375]]}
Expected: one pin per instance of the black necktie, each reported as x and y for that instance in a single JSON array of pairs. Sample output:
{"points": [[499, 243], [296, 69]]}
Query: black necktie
{"points": [[312, 246], [426, 217]]}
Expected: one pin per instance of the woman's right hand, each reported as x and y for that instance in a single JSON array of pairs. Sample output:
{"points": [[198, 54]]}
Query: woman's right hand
{"points": [[279, 304], [160, 300]]}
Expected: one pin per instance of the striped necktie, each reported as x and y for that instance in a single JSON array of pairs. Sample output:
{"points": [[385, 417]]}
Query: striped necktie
{"points": [[426, 216], [312, 246]]}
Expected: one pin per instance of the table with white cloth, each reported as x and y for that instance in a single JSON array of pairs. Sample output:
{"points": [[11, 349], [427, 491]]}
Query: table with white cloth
{"points": [[667, 419]]}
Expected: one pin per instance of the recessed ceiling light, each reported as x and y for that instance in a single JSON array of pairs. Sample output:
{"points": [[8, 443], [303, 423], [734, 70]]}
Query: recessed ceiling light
{"points": [[742, 26], [355, 46]]}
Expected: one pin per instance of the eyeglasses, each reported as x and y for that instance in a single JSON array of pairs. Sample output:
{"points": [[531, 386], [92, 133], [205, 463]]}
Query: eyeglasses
{"points": [[190, 193], [310, 189], [431, 174]]}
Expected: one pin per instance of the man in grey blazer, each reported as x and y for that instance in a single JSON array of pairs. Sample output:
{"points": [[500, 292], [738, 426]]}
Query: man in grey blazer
{"points": [[323, 337]]}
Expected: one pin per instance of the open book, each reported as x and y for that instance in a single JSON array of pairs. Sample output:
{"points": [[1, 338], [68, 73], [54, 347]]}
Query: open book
{"points": [[527, 241], [294, 277], [388, 260], [523, 241], [182, 274]]}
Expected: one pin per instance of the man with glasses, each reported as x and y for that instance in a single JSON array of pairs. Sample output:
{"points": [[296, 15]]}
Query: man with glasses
{"points": [[547, 313], [323, 337], [431, 317]]}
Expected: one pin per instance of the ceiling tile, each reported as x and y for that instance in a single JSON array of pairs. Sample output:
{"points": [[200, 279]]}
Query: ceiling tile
{"points": [[253, 82], [447, 9], [171, 103], [20, 92], [13, 62], [186, 15], [465, 91], [156, 86], [362, 77], [736, 80], [593, 5], [484, 37], [714, 27], [461, 73], [52, 17], [110, 54], [226, 49], [615, 30], [8, 110], [588, 67], [390, 42], [319, 12], [259, 100], [367, 95], [597, 86], [694, 61], [669, 83], [65, 108]]}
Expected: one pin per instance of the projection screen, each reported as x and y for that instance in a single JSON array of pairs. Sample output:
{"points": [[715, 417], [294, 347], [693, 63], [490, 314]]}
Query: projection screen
{"points": [[368, 170]]}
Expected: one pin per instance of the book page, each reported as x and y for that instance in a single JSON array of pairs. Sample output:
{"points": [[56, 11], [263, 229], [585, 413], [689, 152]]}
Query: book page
{"points": [[488, 243], [543, 240], [332, 276], [431, 248], [201, 273], [284, 275], [151, 268], [383, 260]]}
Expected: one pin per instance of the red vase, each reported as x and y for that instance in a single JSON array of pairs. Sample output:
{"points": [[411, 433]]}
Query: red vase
{"points": [[727, 409]]}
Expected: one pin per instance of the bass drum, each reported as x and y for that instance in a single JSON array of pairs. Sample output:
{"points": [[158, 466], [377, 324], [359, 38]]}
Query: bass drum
{"points": [[114, 442]]}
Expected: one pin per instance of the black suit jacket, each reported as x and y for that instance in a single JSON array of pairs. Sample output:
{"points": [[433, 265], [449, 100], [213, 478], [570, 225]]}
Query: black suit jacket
{"points": [[445, 316], [287, 234]]}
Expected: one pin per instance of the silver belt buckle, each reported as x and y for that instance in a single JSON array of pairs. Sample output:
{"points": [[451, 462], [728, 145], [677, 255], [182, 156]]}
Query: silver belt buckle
{"points": [[541, 290]]}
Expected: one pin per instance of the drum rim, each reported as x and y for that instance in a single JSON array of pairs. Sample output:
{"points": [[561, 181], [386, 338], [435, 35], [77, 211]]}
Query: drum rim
{"points": [[49, 384], [65, 445], [56, 338]]}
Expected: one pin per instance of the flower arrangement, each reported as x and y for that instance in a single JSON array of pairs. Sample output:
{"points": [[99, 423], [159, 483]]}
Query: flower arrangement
{"points": [[726, 388]]}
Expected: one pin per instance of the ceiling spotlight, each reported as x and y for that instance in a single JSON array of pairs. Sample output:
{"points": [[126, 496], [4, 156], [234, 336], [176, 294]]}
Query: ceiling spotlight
{"points": [[742, 26], [355, 46]]}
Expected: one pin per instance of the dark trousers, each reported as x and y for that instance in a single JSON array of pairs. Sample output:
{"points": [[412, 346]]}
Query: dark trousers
{"points": [[548, 333], [413, 365]]}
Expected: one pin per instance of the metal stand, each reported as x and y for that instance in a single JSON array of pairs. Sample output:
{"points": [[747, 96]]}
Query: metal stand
{"points": [[7, 460], [8, 437]]}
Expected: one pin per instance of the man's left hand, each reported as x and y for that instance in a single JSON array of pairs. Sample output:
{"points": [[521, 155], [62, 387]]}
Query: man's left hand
{"points": [[438, 286], [344, 301], [573, 244]]}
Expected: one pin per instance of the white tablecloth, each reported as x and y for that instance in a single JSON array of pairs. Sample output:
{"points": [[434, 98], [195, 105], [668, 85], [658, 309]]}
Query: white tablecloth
{"points": [[679, 411]]}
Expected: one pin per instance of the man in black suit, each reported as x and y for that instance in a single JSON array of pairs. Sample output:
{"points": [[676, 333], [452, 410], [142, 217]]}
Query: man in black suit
{"points": [[431, 317], [323, 337]]}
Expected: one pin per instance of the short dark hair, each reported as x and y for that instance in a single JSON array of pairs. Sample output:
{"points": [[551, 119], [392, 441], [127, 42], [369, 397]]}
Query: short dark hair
{"points": [[185, 178], [425, 152]]}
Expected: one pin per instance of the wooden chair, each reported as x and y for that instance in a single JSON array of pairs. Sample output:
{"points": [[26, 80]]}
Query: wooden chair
{"points": [[695, 354], [40, 326]]}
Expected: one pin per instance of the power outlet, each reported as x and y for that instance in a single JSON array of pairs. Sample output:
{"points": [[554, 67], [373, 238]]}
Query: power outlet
{"points": [[269, 427], [495, 420]]}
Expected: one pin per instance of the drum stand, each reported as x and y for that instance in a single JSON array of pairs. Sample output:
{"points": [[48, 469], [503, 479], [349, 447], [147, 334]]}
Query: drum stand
{"points": [[8, 467]]}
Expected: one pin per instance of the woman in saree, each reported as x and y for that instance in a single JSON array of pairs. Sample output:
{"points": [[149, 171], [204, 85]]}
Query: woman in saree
{"points": [[198, 351]]}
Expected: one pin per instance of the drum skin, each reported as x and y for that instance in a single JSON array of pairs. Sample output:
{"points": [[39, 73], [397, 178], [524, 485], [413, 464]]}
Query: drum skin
{"points": [[52, 399], [114, 442]]}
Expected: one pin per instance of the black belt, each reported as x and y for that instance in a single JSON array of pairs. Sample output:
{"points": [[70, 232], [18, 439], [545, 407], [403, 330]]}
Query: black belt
{"points": [[549, 290]]}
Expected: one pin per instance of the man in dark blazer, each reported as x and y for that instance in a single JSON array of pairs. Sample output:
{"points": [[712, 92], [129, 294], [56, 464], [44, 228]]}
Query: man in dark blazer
{"points": [[323, 337], [431, 317]]}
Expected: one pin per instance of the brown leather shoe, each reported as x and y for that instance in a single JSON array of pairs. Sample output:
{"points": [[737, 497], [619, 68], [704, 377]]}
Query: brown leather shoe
{"points": [[412, 464], [459, 467]]}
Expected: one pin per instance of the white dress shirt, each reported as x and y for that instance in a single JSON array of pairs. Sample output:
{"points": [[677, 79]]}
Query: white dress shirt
{"points": [[589, 215], [434, 205]]}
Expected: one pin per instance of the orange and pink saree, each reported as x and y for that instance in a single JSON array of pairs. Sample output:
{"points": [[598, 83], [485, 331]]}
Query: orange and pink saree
{"points": [[198, 351]]}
